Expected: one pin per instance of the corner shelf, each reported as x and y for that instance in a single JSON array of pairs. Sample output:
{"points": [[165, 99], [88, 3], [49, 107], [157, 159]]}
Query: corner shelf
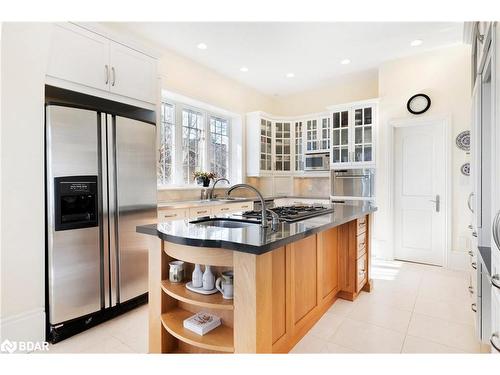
{"points": [[220, 339], [181, 293]]}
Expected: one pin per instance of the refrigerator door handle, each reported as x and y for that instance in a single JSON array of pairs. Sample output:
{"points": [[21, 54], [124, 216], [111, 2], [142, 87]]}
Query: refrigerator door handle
{"points": [[104, 219], [113, 212]]}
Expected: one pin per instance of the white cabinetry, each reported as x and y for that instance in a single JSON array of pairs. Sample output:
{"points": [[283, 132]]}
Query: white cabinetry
{"points": [[353, 134], [132, 74], [80, 56]]}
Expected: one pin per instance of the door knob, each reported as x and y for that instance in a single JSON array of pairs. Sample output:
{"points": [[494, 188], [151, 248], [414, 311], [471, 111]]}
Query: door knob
{"points": [[437, 202]]}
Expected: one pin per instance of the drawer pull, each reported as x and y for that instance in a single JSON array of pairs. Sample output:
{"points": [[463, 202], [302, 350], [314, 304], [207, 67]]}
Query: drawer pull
{"points": [[471, 253], [202, 212], [494, 336], [172, 215], [473, 307], [471, 289], [224, 209], [474, 265]]}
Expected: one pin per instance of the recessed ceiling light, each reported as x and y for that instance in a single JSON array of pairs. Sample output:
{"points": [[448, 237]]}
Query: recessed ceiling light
{"points": [[345, 62], [202, 46], [416, 42], [290, 75], [244, 69]]}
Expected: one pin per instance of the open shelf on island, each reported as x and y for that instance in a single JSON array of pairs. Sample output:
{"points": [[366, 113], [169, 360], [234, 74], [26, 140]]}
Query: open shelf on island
{"points": [[181, 293], [220, 339]]}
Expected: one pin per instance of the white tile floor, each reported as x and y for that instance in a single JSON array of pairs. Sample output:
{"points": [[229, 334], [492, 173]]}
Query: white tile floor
{"points": [[127, 333], [412, 309]]}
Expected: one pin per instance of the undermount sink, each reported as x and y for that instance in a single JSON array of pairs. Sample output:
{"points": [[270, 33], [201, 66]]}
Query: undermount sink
{"points": [[225, 199], [225, 223]]}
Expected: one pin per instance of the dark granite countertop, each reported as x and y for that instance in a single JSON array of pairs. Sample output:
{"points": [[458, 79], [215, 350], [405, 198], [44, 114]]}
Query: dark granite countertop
{"points": [[253, 239], [485, 253]]}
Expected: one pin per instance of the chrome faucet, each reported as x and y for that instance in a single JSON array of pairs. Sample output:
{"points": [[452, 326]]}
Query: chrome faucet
{"points": [[211, 193], [262, 201]]}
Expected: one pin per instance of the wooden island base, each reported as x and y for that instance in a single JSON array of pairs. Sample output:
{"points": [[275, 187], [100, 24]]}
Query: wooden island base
{"points": [[278, 296]]}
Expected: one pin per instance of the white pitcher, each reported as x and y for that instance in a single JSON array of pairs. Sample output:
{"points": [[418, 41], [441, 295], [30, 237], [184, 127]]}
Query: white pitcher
{"points": [[225, 285]]}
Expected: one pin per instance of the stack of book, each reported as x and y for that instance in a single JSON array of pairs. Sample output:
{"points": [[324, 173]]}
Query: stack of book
{"points": [[202, 323]]}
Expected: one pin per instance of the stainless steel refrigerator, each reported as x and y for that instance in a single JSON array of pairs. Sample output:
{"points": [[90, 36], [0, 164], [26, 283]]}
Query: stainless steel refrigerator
{"points": [[101, 184]]}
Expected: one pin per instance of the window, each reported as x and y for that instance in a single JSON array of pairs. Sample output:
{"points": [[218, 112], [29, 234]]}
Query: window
{"points": [[192, 143], [167, 137], [219, 147], [194, 139]]}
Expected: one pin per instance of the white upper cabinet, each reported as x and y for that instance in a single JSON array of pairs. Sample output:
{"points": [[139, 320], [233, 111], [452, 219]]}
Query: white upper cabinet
{"points": [[353, 130], [79, 56], [132, 73], [282, 146], [83, 57], [298, 141]]}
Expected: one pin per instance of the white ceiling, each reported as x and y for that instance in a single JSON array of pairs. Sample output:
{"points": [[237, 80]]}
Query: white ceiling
{"points": [[312, 51]]}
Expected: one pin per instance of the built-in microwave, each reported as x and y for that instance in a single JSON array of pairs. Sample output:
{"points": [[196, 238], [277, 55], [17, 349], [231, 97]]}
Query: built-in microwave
{"points": [[317, 162]]}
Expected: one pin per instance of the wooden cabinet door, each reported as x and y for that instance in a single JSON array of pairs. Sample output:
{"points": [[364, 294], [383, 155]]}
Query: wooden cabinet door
{"points": [[133, 73], [303, 278], [79, 56], [328, 252], [280, 303]]}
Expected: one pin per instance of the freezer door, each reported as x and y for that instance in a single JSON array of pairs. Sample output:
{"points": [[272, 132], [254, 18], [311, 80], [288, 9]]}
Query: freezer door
{"points": [[135, 175], [74, 276]]}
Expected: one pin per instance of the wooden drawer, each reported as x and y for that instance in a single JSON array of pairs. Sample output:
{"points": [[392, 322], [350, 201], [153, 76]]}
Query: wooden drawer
{"points": [[200, 211], [362, 223], [172, 214], [361, 272], [361, 244]]}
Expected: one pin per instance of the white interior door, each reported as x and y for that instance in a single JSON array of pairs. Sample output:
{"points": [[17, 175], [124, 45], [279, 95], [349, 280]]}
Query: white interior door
{"points": [[420, 193]]}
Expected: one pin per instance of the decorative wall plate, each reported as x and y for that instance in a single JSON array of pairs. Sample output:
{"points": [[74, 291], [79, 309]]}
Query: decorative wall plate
{"points": [[463, 140], [465, 169]]}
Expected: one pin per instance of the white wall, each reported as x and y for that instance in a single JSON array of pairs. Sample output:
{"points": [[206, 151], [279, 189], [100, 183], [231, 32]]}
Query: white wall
{"points": [[345, 89], [24, 52], [444, 75]]}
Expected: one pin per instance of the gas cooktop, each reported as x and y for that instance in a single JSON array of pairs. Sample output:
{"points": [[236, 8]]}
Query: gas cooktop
{"points": [[292, 213]]}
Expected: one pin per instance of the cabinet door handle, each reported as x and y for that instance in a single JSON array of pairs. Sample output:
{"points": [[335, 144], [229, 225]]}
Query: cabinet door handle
{"points": [[474, 265], [471, 253], [474, 234], [106, 70], [471, 289], [113, 74], [494, 336], [494, 281], [473, 307], [469, 203]]}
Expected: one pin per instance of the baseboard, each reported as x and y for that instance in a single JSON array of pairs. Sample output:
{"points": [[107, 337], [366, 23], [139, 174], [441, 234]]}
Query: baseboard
{"points": [[457, 260], [27, 326]]}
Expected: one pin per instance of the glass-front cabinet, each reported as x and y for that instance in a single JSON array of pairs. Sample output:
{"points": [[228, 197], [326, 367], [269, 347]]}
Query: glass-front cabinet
{"points": [[312, 139], [282, 146], [353, 129], [299, 147], [340, 137], [266, 137]]}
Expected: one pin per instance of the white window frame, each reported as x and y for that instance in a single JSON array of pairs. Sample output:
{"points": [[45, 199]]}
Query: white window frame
{"points": [[235, 134]]}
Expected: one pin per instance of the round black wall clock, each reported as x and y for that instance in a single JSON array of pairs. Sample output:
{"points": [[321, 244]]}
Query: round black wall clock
{"points": [[418, 104]]}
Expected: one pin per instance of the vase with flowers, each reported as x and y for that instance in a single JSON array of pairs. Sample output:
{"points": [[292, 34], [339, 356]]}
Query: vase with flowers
{"points": [[203, 178]]}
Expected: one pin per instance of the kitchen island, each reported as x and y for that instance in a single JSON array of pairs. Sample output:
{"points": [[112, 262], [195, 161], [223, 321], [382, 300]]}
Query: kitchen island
{"points": [[285, 278]]}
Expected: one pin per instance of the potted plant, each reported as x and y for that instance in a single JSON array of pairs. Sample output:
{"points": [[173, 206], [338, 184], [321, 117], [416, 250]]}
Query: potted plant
{"points": [[203, 178]]}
